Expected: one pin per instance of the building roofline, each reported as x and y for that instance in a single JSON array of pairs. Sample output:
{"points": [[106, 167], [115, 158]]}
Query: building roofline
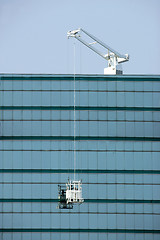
{"points": [[78, 75]]}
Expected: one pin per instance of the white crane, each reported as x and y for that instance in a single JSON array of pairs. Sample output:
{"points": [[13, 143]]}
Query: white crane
{"points": [[114, 58]]}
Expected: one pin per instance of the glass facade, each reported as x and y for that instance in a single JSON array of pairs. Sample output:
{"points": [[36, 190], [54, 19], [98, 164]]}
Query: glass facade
{"points": [[117, 152]]}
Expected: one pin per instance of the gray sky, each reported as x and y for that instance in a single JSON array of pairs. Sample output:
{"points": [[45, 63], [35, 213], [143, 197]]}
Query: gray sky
{"points": [[33, 35]]}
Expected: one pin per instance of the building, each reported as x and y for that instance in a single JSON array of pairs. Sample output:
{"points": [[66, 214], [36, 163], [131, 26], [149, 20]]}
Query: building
{"points": [[117, 150]]}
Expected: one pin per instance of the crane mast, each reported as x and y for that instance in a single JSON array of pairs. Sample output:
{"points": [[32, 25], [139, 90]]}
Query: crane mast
{"points": [[113, 57]]}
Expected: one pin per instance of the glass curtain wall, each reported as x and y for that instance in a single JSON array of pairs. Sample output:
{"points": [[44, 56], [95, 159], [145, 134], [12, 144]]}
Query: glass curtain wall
{"points": [[117, 156]]}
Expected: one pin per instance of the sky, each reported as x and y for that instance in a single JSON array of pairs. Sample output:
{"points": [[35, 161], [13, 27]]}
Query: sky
{"points": [[33, 35]]}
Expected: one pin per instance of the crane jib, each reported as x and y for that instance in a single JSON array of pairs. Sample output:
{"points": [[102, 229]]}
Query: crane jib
{"points": [[113, 57]]}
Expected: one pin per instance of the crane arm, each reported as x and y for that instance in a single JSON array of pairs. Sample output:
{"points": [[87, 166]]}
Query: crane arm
{"points": [[103, 44], [113, 56], [90, 46]]}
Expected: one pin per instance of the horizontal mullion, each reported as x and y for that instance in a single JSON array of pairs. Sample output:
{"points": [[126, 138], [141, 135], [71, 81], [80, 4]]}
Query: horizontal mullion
{"points": [[84, 183], [79, 108], [77, 150], [80, 138], [78, 90], [45, 77], [77, 120], [43, 200], [86, 171], [71, 213], [79, 230]]}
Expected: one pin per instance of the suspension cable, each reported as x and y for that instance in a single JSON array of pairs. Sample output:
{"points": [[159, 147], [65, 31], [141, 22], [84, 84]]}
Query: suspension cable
{"points": [[74, 112]]}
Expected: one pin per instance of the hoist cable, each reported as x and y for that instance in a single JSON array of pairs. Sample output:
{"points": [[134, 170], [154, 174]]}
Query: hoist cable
{"points": [[74, 112]]}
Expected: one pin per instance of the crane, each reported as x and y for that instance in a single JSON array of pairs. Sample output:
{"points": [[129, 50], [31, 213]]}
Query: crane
{"points": [[113, 57]]}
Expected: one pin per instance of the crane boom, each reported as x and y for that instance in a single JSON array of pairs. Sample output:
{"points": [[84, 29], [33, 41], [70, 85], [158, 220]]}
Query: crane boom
{"points": [[114, 58], [103, 44]]}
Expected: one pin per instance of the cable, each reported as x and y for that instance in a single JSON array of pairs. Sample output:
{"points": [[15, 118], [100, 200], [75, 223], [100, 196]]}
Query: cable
{"points": [[74, 112]]}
